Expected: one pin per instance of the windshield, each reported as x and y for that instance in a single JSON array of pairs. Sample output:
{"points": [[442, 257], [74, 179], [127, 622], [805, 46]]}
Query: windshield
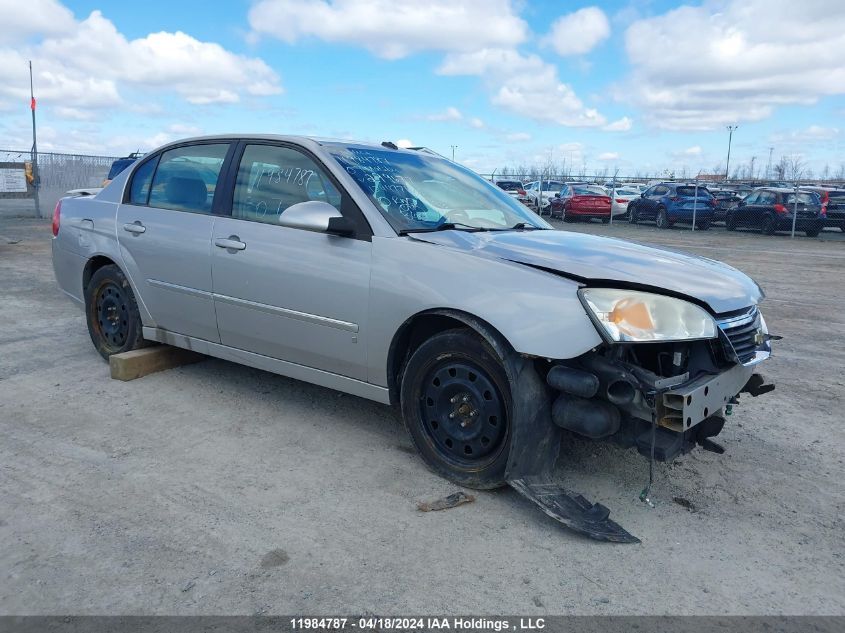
{"points": [[509, 185], [552, 185], [627, 192], [588, 191], [690, 191], [421, 192]]}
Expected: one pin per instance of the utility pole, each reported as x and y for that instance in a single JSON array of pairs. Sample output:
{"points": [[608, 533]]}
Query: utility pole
{"points": [[454, 147], [34, 152], [731, 129], [769, 166]]}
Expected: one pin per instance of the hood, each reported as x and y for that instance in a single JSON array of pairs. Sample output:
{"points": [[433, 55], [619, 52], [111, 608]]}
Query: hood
{"points": [[604, 261]]}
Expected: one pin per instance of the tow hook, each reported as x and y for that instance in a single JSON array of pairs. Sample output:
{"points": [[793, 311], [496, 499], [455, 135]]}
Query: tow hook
{"points": [[757, 386]]}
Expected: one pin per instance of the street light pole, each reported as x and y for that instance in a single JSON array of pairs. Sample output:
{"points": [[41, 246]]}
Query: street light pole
{"points": [[731, 129], [454, 147]]}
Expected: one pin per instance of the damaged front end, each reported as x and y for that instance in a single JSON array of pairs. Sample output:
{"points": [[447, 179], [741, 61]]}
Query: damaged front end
{"points": [[661, 397]]}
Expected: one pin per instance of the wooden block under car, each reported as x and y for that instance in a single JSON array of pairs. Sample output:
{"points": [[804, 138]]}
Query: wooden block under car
{"points": [[148, 360]]}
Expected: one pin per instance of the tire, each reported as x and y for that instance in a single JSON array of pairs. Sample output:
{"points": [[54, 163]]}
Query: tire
{"points": [[632, 216], [767, 225], [730, 223], [605, 220], [813, 232], [114, 322], [703, 226], [457, 407], [662, 219]]}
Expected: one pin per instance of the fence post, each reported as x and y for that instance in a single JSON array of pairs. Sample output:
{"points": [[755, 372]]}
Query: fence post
{"points": [[794, 208], [695, 203], [612, 194]]}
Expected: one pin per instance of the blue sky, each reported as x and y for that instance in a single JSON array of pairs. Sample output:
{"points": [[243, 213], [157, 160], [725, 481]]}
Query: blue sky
{"points": [[636, 86]]}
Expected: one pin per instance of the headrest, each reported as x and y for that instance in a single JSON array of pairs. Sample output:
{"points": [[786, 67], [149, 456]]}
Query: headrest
{"points": [[186, 190]]}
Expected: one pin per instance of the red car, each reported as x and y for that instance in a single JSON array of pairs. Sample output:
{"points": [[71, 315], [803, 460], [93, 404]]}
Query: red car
{"points": [[585, 201]]}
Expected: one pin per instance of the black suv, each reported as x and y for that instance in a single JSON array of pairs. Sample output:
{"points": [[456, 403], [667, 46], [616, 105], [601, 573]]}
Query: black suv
{"points": [[833, 201], [770, 209]]}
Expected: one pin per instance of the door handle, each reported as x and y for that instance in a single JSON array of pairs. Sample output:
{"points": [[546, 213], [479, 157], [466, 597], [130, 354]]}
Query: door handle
{"points": [[136, 227], [233, 242]]}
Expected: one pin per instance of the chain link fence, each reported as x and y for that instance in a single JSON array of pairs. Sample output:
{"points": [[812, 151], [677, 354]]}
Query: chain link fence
{"points": [[55, 174]]}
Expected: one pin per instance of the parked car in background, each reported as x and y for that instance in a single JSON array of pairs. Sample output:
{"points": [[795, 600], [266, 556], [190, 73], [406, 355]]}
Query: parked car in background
{"points": [[119, 165], [620, 198], [514, 188], [725, 199], [669, 202], [581, 201], [405, 278], [541, 199], [771, 209], [833, 204]]}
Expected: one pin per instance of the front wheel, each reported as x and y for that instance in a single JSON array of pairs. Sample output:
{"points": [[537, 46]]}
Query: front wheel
{"points": [[456, 405], [730, 222], [813, 232], [662, 219], [114, 322], [703, 226], [632, 216]]}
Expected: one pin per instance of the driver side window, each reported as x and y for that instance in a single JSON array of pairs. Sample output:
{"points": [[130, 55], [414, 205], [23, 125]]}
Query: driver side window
{"points": [[271, 179]]}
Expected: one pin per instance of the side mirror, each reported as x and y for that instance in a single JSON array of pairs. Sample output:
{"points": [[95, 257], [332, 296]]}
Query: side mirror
{"points": [[557, 195], [316, 216], [642, 195], [741, 203]]}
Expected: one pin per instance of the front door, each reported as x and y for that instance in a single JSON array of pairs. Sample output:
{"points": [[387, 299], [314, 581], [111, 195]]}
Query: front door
{"points": [[291, 294], [164, 231]]}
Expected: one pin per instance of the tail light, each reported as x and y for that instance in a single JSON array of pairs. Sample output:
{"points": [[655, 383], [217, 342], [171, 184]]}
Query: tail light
{"points": [[57, 218], [675, 199], [779, 208], [521, 192], [621, 201]]}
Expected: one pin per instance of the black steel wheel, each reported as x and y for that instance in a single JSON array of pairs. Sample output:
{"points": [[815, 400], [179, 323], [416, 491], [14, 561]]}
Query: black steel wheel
{"points": [[112, 314], [456, 405]]}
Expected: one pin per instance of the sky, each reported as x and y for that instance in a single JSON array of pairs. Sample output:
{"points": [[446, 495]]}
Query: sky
{"points": [[633, 86]]}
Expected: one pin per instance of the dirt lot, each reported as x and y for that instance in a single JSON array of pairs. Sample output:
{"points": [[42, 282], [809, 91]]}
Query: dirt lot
{"points": [[216, 488]]}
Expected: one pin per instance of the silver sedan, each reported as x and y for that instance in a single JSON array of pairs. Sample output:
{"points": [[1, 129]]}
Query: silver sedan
{"points": [[402, 277]]}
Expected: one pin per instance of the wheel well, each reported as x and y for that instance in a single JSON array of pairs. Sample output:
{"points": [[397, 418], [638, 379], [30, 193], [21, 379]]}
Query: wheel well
{"points": [[421, 327], [93, 265]]}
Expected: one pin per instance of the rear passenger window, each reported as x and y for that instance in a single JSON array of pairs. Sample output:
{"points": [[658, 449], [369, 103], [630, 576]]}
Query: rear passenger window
{"points": [[139, 190], [186, 177], [271, 179]]}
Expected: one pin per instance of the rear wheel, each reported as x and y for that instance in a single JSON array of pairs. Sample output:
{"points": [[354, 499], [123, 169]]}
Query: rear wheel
{"points": [[767, 225], [632, 216], [730, 222], [605, 220], [662, 219], [456, 405], [703, 226], [114, 322], [813, 232]]}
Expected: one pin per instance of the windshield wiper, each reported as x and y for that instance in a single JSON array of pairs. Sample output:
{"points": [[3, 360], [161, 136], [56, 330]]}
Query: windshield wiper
{"points": [[524, 226], [446, 226]]}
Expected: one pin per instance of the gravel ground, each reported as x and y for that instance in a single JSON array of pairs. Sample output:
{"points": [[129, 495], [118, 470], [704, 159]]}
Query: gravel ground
{"points": [[215, 488]]}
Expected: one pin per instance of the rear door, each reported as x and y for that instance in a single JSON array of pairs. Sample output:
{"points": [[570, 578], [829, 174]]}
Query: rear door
{"points": [[286, 293], [164, 229]]}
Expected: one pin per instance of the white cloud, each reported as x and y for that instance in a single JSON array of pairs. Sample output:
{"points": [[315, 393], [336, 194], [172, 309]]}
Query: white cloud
{"points": [[403, 142], [476, 123], [391, 29], [518, 137], [578, 33], [695, 150], [88, 66], [449, 114], [609, 156], [701, 67], [525, 85], [620, 125], [21, 20]]}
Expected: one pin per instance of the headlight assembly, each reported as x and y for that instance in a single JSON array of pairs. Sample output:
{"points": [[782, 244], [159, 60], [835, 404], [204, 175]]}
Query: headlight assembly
{"points": [[632, 316]]}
